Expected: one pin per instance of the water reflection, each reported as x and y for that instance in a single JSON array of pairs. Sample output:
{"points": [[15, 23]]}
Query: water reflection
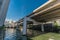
{"points": [[14, 34], [24, 38], [10, 34]]}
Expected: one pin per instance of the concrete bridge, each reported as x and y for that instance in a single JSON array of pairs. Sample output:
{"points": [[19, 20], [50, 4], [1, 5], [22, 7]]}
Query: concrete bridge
{"points": [[48, 12], [43, 14]]}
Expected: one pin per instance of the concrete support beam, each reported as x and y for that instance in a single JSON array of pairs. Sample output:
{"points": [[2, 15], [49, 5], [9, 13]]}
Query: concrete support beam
{"points": [[42, 27], [24, 25], [3, 11]]}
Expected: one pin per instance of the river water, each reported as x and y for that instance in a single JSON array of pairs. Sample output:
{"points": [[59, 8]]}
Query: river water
{"points": [[13, 34], [10, 34]]}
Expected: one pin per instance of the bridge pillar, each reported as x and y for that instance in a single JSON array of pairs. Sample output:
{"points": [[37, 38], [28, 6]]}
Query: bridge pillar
{"points": [[42, 27], [24, 26], [3, 11]]}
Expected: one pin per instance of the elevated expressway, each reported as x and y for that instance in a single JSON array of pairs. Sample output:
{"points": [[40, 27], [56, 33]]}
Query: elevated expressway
{"points": [[45, 13]]}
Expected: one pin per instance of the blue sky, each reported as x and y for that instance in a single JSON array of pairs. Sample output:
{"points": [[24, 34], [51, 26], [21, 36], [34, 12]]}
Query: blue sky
{"points": [[20, 8]]}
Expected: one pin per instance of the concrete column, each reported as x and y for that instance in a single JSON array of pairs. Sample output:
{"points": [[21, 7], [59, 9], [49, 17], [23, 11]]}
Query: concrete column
{"points": [[24, 26], [42, 27], [3, 11]]}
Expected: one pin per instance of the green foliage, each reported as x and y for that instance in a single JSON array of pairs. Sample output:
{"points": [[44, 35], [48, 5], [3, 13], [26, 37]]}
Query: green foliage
{"points": [[55, 24]]}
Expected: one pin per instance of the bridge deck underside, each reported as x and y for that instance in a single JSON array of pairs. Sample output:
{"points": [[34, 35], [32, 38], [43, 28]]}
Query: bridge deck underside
{"points": [[48, 15]]}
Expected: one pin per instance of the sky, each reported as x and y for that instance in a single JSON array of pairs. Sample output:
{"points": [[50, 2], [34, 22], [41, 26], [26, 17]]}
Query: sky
{"points": [[20, 8]]}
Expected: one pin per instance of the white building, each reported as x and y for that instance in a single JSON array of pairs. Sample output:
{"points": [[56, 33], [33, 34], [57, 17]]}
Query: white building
{"points": [[9, 23]]}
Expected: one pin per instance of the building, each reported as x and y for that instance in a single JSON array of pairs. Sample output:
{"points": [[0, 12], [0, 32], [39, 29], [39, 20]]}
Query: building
{"points": [[10, 23]]}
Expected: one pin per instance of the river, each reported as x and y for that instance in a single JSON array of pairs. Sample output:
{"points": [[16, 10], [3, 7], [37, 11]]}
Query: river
{"points": [[13, 34], [10, 34]]}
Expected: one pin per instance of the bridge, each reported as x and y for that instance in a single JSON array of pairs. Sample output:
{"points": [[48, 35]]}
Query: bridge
{"points": [[48, 12]]}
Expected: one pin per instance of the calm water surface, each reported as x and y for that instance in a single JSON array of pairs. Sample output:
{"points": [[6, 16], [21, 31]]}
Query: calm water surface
{"points": [[11, 34]]}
